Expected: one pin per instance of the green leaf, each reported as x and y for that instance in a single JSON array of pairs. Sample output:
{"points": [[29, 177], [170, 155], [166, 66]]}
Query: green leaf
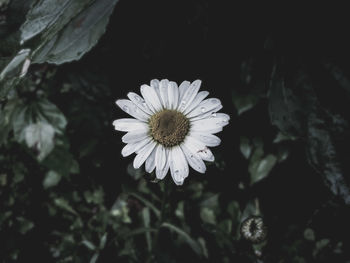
{"points": [[50, 15], [261, 168], [190, 241], [40, 137], [52, 178], [94, 258], [244, 103], [24, 225], [89, 245], [65, 42], [6, 118], [299, 107], [13, 72], [208, 215], [139, 231], [309, 234], [245, 147], [103, 240], [146, 221], [63, 204]]}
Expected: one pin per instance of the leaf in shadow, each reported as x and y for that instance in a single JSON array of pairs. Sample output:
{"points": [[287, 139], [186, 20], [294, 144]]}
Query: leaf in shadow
{"points": [[298, 109]]}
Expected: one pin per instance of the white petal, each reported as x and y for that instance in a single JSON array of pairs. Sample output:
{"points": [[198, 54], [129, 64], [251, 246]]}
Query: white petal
{"points": [[163, 90], [133, 147], [128, 124], [205, 106], [193, 159], [140, 102], [211, 113], [130, 108], [198, 99], [161, 157], [143, 154], [151, 97], [135, 136], [209, 125], [189, 95], [151, 161], [183, 87], [178, 165], [206, 138], [161, 173], [199, 148], [173, 95], [155, 83], [207, 155]]}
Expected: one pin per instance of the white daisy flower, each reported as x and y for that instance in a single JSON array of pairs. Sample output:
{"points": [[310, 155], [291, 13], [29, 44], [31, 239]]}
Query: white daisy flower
{"points": [[172, 127]]}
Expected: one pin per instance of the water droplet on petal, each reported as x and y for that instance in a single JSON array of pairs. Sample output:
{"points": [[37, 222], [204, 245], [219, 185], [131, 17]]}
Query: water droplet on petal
{"points": [[125, 108], [214, 101], [213, 114], [202, 109], [177, 171], [137, 98]]}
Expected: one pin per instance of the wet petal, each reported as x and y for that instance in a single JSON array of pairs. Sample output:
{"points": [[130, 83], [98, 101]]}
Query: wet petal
{"points": [[131, 109]]}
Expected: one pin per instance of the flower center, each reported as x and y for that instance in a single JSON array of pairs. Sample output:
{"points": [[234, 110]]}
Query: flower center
{"points": [[169, 127]]}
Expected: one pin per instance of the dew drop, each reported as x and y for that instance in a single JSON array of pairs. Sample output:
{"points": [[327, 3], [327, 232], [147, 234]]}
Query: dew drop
{"points": [[125, 108], [177, 171], [202, 109], [213, 114], [214, 101]]}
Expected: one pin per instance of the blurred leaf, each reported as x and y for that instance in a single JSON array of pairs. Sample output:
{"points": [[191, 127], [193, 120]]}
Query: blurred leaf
{"points": [[245, 147], [244, 103], [24, 225], [135, 173], [37, 122], [146, 221], [60, 160], [63, 204], [309, 234], [64, 41], [299, 109], [226, 226], [233, 209], [51, 179], [40, 137], [139, 231], [190, 241], [7, 115], [208, 215], [94, 197], [120, 209], [202, 242], [94, 258], [251, 209], [13, 72], [283, 137], [103, 240], [89, 245], [262, 168]]}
